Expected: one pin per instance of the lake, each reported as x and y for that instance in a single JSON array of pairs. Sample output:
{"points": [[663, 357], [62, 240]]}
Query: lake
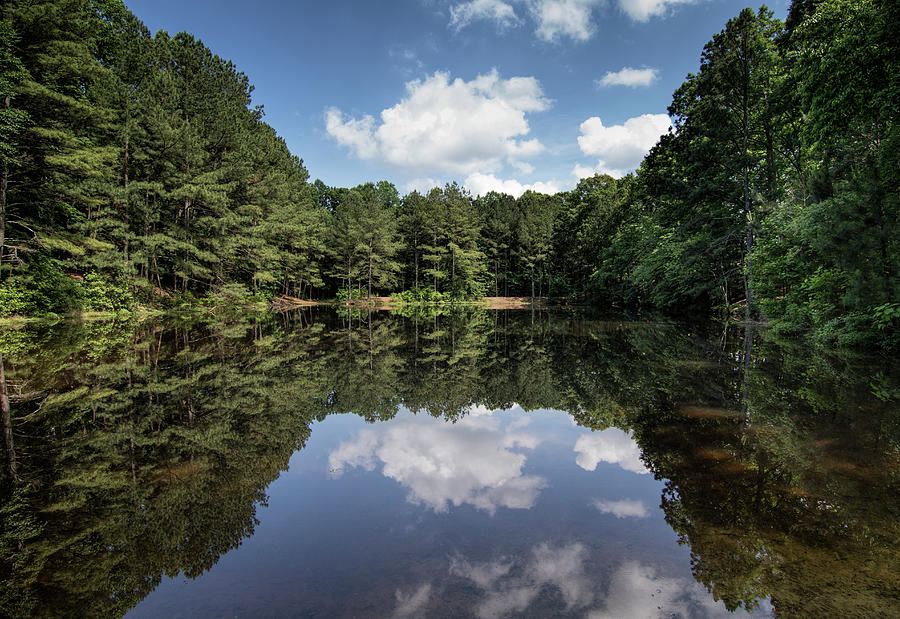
{"points": [[512, 463]]}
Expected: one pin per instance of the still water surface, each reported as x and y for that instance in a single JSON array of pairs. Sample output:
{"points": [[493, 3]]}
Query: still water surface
{"points": [[475, 465]]}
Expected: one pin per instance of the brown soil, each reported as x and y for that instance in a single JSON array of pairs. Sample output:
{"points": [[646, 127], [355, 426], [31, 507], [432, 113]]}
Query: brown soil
{"points": [[512, 302], [286, 302], [705, 412]]}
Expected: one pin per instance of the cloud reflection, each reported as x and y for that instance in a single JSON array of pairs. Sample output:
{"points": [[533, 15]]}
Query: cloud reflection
{"points": [[613, 446], [412, 604], [626, 508], [509, 587], [470, 462], [506, 593], [636, 591]]}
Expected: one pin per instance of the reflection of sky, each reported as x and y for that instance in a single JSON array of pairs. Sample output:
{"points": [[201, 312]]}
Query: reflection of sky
{"points": [[417, 517], [509, 587], [626, 508], [613, 446], [413, 603], [635, 591], [477, 461]]}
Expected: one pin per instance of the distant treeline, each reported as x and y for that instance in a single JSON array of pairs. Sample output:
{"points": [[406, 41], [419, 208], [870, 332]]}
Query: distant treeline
{"points": [[135, 169]]}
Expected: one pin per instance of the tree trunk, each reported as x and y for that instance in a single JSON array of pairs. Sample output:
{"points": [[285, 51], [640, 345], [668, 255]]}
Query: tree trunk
{"points": [[187, 231], [748, 363], [369, 294], [371, 345], [452, 267], [4, 179], [496, 274], [532, 284], [748, 219], [506, 275], [4, 176], [7, 425], [125, 166]]}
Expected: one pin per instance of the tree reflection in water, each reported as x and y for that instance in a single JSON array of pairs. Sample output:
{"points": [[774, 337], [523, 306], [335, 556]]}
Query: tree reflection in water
{"points": [[143, 451]]}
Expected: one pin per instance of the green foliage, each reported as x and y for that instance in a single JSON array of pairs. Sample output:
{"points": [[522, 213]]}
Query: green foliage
{"points": [[109, 294], [421, 296], [140, 164], [43, 288], [886, 315]]}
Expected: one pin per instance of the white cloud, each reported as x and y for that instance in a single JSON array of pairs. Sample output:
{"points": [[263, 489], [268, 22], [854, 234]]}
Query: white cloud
{"points": [[627, 76], [627, 508], [613, 446], [563, 18], [497, 11], [555, 19], [523, 167], [508, 591], [480, 184], [620, 147], [642, 10], [448, 126], [422, 185], [412, 604], [356, 134], [441, 464]]}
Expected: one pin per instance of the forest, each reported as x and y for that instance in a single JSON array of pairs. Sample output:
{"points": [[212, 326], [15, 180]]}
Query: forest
{"points": [[153, 446], [136, 171]]}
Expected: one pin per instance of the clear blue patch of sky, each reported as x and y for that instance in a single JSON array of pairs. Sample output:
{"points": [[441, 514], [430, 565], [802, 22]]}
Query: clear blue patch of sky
{"points": [[304, 57]]}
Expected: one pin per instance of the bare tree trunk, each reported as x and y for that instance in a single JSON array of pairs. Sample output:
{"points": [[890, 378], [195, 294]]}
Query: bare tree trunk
{"points": [[371, 346], [4, 179], [187, 230], [496, 274], [452, 267], [369, 294], [435, 266], [532, 284], [7, 425], [748, 219]]}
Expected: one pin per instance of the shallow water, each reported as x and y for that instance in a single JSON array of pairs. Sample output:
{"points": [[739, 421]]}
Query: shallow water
{"points": [[484, 464]]}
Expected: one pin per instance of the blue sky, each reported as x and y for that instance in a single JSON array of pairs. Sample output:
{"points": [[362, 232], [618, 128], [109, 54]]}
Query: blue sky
{"points": [[495, 94]]}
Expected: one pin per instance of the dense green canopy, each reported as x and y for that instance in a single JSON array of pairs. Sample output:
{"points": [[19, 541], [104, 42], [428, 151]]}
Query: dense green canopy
{"points": [[135, 168]]}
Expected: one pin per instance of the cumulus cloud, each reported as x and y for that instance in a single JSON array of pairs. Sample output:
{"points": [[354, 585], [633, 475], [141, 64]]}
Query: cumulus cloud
{"points": [[642, 10], [422, 185], [510, 587], [448, 126], [613, 446], [502, 13], [622, 509], [620, 147], [556, 19], [470, 462], [480, 184], [627, 76]]}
